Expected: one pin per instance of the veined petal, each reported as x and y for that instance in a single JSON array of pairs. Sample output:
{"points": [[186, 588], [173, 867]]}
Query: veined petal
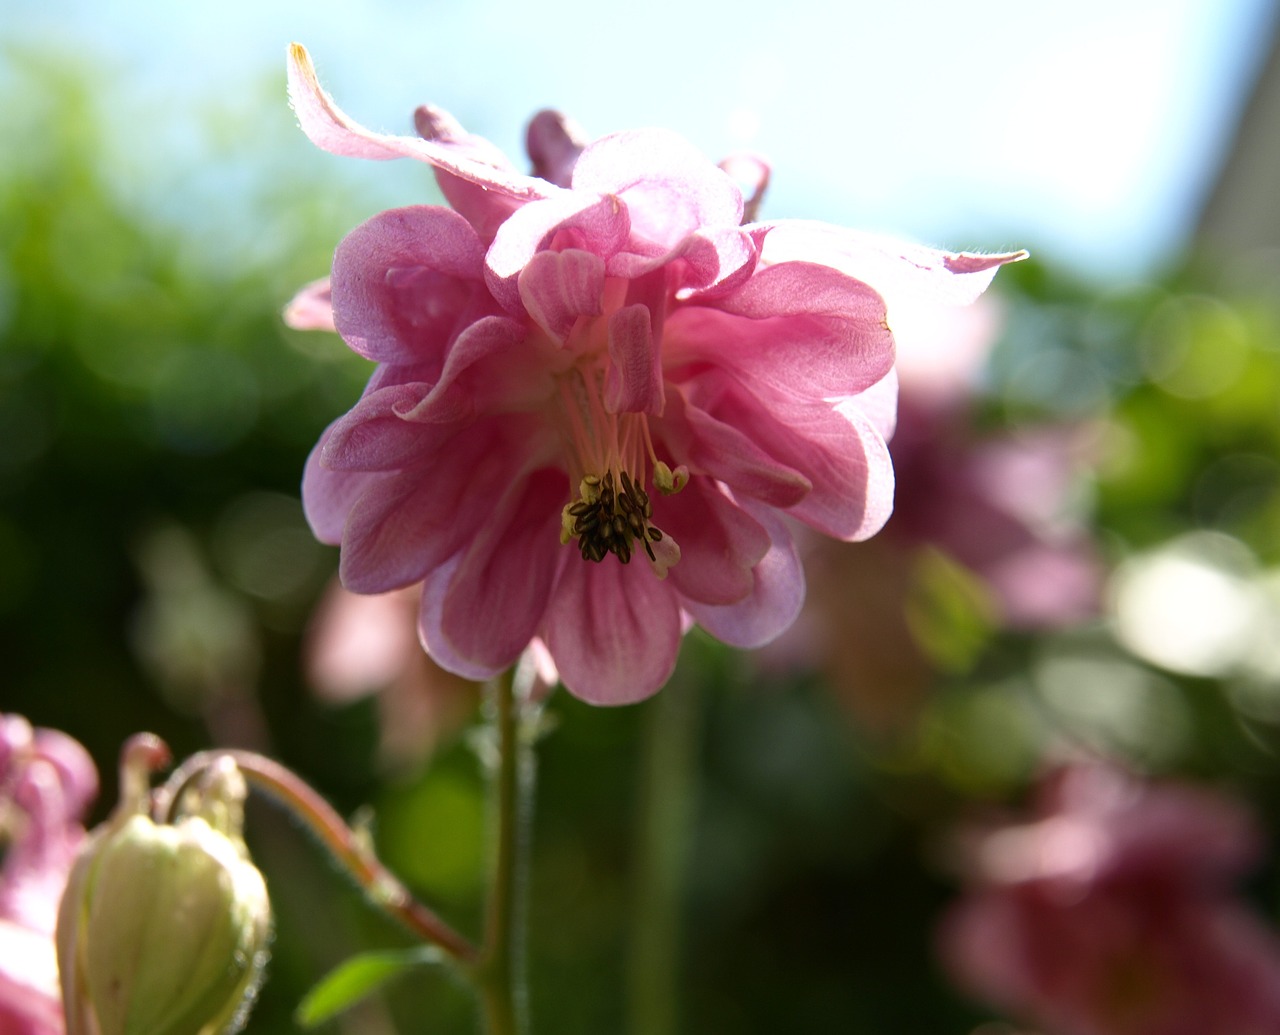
{"points": [[331, 129], [409, 522], [558, 287], [463, 389], [328, 496], [596, 224], [902, 272], [634, 380], [806, 330], [776, 597], [375, 435], [670, 188], [613, 630], [494, 601], [719, 543], [404, 280], [837, 448], [730, 456]]}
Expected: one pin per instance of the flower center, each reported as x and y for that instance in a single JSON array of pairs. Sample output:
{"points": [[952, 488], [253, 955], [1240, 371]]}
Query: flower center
{"points": [[610, 455]]}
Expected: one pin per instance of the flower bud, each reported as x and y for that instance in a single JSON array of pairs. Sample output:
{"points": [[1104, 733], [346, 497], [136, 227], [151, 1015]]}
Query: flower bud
{"points": [[163, 927]]}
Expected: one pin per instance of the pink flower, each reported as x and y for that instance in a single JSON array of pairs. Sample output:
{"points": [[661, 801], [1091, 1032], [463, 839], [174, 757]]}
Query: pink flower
{"points": [[591, 366], [47, 781], [1110, 913]]}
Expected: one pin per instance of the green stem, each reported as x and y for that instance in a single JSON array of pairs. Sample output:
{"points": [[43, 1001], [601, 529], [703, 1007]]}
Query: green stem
{"points": [[501, 972], [666, 818], [351, 850]]}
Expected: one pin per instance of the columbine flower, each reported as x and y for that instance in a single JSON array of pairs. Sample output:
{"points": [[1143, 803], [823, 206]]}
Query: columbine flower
{"points": [[597, 392], [47, 780], [1110, 913]]}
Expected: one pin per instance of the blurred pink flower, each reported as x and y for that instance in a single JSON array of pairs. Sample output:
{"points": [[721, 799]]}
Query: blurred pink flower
{"points": [[1110, 913], [359, 645], [991, 502], [600, 355], [47, 781]]}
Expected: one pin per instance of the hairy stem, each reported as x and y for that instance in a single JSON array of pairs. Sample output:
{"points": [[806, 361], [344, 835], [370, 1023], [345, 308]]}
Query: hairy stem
{"points": [[349, 849]]}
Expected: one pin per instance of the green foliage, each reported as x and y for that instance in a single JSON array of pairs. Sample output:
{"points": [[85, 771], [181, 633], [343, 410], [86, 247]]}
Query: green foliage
{"points": [[358, 977]]}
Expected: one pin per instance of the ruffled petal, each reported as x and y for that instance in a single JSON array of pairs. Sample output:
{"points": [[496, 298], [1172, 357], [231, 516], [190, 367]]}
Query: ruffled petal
{"points": [[596, 224], [334, 131], [328, 496], [494, 601], [374, 435], [719, 543], [903, 273], [613, 629], [407, 523], [713, 447], [404, 281], [633, 383], [670, 188], [805, 330], [558, 287], [837, 448], [776, 597]]}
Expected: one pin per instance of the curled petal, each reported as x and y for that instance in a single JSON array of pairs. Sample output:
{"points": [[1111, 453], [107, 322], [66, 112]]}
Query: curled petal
{"points": [[719, 543], [558, 287], [375, 436], [588, 221], [804, 330], [777, 593], [328, 495], [634, 381], [613, 630], [403, 281], [554, 143], [687, 193], [732, 457], [903, 273], [330, 129]]}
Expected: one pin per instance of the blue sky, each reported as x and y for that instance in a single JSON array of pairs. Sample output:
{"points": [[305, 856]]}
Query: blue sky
{"points": [[1088, 136]]}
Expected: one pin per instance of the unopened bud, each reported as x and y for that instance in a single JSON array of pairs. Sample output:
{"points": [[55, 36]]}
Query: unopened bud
{"points": [[163, 927]]}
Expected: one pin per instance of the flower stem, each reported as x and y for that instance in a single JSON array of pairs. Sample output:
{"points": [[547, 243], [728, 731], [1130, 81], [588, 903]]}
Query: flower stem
{"points": [[501, 970], [668, 782], [351, 850]]}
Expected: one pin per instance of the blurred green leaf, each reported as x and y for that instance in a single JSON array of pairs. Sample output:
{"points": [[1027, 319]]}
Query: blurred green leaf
{"points": [[357, 977]]}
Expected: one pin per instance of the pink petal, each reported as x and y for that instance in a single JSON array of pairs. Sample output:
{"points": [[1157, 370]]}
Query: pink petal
{"points": [[669, 187], [595, 224], [375, 436], [802, 329], [727, 454], [331, 129], [328, 496], [903, 273], [467, 385], [633, 383], [554, 143], [719, 543], [404, 280], [776, 596], [837, 448], [613, 630], [311, 309], [407, 523], [494, 601], [558, 287]]}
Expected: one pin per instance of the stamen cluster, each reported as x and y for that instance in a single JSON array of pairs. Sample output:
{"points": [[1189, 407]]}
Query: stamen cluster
{"points": [[607, 518]]}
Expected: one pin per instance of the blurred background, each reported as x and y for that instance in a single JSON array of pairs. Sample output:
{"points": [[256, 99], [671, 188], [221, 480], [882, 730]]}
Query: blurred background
{"points": [[1085, 561]]}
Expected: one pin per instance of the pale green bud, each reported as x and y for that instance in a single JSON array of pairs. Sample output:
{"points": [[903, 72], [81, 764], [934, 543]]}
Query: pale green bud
{"points": [[163, 927]]}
